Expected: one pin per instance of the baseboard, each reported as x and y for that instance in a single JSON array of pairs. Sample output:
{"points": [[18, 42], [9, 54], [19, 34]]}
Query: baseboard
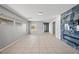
{"points": [[2, 49]]}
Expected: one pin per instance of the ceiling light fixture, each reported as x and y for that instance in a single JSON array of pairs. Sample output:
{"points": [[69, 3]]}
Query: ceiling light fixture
{"points": [[40, 13]]}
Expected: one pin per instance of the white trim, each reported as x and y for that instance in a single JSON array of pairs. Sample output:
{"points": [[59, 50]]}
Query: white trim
{"points": [[2, 49], [9, 45]]}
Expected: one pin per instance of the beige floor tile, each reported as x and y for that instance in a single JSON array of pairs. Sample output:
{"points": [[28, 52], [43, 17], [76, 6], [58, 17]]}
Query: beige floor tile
{"points": [[13, 50], [43, 50], [39, 43]]}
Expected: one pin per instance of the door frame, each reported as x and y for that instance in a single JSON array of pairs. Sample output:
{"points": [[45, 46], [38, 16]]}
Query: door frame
{"points": [[54, 28]]}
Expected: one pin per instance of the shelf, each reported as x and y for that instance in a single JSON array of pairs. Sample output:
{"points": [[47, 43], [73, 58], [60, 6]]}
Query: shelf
{"points": [[5, 20]]}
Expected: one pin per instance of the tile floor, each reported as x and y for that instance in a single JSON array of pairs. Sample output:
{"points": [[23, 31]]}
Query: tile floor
{"points": [[39, 44]]}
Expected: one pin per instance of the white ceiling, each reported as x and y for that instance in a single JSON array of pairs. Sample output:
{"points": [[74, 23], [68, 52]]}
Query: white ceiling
{"points": [[49, 10]]}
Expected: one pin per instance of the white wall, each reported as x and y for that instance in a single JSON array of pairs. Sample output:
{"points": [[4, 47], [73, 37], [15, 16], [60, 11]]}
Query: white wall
{"points": [[57, 27], [10, 32]]}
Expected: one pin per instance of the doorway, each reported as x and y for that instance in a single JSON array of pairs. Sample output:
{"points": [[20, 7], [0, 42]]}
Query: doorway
{"points": [[46, 27], [53, 28]]}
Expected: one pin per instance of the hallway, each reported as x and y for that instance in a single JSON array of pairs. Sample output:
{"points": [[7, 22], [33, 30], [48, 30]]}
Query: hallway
{"points": [[39, 43]]}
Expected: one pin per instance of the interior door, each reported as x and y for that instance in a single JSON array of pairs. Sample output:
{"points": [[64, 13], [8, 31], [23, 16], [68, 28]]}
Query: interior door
{"points": [[46, 27]]}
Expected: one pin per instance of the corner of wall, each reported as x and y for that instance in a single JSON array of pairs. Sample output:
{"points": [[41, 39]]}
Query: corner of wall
{"points": [[58, 32]]}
